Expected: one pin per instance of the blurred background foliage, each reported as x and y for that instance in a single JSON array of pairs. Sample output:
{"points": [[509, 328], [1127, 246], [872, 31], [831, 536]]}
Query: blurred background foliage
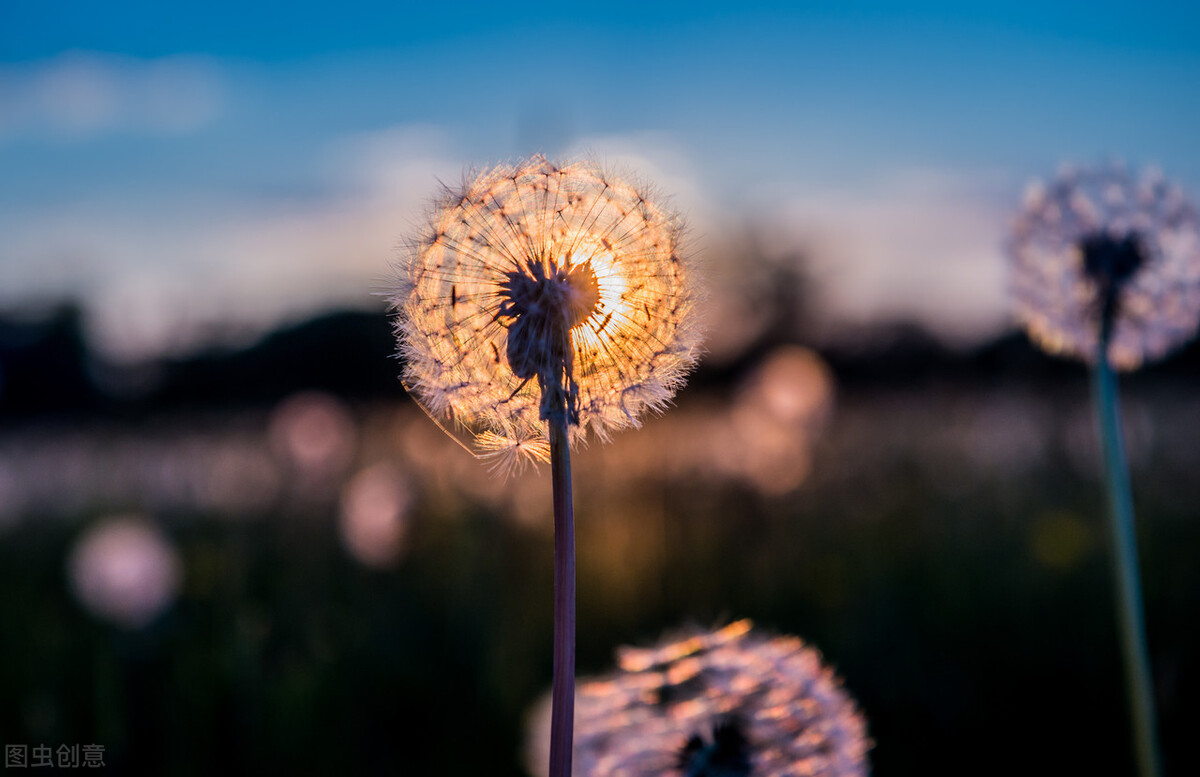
{"points": [[327, 584]]}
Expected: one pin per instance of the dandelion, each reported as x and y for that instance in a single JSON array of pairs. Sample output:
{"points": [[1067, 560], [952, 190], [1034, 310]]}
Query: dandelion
{"points": [[731, 702], [374, 515], [541, 289], [1107, 268], [778, 411], [542, 302], [125, 570], [313, 433], [1097, 254]]}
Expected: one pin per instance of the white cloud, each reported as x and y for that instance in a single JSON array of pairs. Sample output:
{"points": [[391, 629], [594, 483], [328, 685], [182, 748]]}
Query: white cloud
{"points": [[165, 276], [79, 94], [911, 244], [656, 158], [168, 282], [164, 281], [919, 245]]}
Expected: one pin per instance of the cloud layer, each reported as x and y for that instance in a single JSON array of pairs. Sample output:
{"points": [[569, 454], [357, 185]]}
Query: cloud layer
{"points": [[80, 94]]}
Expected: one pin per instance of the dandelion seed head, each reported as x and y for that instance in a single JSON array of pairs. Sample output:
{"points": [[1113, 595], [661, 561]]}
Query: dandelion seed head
{"points": [[728, 702], [539, 289], [1098, 252], [125, 570]]}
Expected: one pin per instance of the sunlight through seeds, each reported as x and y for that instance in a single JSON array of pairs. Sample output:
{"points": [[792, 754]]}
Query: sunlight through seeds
{"points": [[539, 286]]}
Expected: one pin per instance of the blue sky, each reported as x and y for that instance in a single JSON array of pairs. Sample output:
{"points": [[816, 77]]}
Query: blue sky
{"points": [[187, 166]]}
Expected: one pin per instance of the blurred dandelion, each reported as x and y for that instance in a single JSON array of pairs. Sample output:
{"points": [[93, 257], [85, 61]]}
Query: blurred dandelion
{"points": [[124, 570], [314, 433], [1097, 249], [731, 702], [541, 302], [1107, 268], [374, 514], [779, 411]]}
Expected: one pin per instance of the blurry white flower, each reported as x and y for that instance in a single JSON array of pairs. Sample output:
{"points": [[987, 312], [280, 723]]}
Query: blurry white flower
{"points": [[779, 411], [732, 702], [315, 433], [1097, 250], [125, 570], [374, 514]]}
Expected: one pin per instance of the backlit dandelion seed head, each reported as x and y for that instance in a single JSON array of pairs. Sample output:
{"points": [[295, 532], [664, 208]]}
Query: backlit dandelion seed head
{"points": [[1097, 248], [539, 289], [714, 703]]}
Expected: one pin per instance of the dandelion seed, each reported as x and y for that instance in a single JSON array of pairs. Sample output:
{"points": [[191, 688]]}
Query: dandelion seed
{"points": [[732, 702], [541, 286], [508, 454], [1096, 253]]}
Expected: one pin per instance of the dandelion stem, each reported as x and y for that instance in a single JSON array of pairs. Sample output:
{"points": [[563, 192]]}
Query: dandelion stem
{"points": [[1127, 580], [563, 695]]}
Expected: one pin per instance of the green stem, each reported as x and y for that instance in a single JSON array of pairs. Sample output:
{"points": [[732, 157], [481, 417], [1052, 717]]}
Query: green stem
{"points": [[562, 719], [1127, 580]]}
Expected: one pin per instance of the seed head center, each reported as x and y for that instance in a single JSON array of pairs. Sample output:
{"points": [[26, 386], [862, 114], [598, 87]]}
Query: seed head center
{"points": [[557, 298], [1110, 262], [540, 305], [726, 754]]}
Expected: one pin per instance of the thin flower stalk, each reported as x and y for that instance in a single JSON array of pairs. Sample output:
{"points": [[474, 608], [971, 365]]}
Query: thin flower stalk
{"points": [[562, 725], [1127, 580], [541, 302], [1106, 268]]}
